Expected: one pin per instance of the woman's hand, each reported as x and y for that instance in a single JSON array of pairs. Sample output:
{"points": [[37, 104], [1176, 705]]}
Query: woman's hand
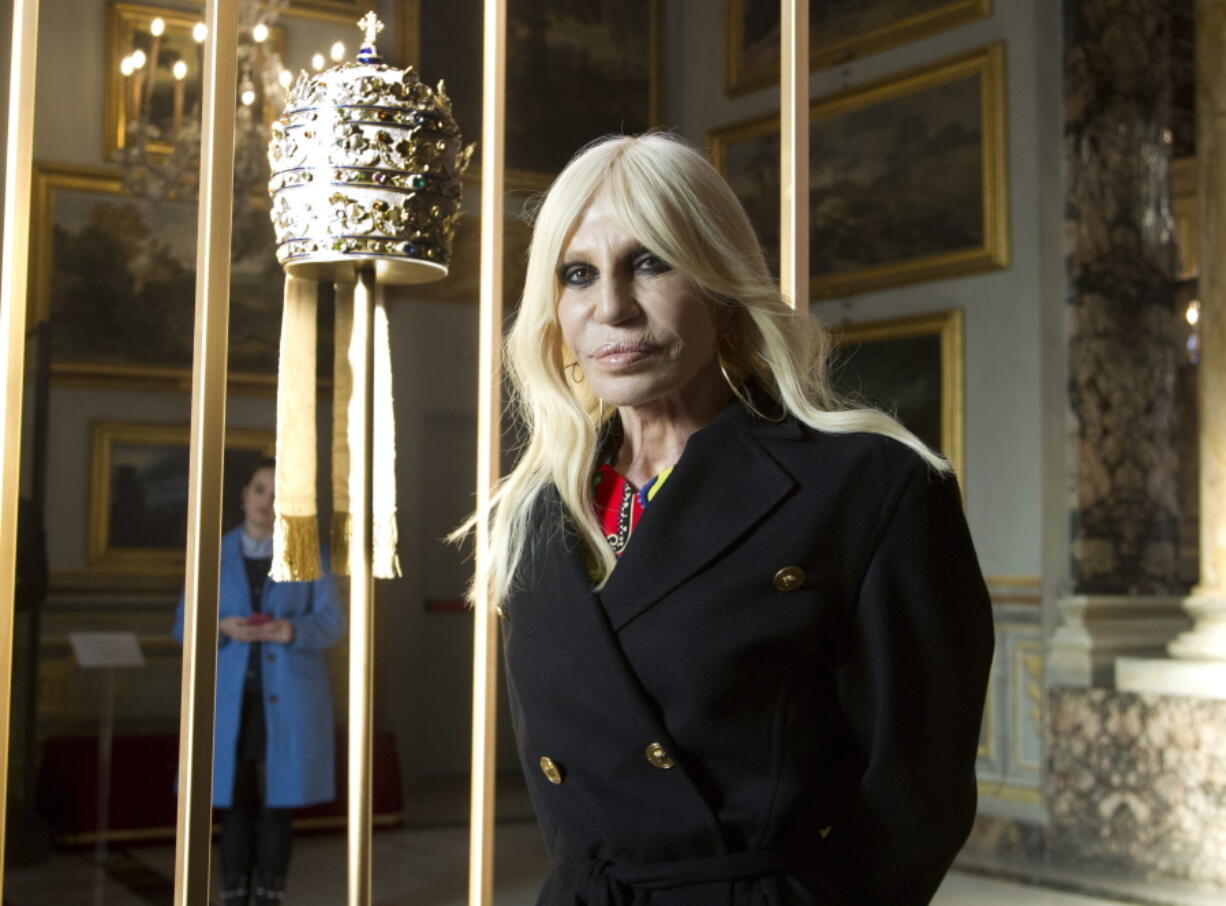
{"points": [[279, 631], [242, 630], [239, 629]]}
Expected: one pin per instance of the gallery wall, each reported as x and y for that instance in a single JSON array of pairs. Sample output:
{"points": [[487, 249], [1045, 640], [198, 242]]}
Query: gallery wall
{"points": [[1001, 308], [1013, 340]]}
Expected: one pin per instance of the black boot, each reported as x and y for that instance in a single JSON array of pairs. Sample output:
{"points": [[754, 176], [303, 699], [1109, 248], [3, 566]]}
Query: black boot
{"points": [[269, 891], [235, 891]]}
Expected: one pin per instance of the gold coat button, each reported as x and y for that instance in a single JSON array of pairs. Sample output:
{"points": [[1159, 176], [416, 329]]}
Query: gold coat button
{"points": [[659, 757], [789, 578], [550, 769], [499, 610]]}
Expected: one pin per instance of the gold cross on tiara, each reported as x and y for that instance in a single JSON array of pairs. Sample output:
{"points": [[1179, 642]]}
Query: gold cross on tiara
{"points": [[372, 26]]}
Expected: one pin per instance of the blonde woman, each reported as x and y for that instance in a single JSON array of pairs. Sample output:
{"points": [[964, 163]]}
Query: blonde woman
{"points": [[747, 639]]}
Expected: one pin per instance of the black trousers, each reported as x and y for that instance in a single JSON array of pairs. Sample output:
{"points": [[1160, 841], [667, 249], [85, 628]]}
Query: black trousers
{"points": [[255, 839]]}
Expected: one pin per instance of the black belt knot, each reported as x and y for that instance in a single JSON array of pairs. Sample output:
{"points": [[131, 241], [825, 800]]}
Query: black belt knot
{"points": [[603, 882]]}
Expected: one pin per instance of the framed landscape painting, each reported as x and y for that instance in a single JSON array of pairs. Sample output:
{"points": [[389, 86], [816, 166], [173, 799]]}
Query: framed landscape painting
{"points": [[138, 493], [911, 368], [115, 277], [575, 71], [908, 179], [838, 32]]}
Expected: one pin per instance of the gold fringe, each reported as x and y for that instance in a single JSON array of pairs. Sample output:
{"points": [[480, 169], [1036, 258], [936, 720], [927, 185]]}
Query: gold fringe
{"points": [[384, 562], [295, 556], [342, 531]]}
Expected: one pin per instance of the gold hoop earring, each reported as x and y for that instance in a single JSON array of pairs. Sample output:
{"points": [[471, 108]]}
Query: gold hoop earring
{"points": [[571, 369], [742, 397]]}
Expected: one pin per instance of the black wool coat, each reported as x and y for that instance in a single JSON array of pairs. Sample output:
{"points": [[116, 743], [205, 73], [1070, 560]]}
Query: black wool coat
{"points": [[776, 697]]}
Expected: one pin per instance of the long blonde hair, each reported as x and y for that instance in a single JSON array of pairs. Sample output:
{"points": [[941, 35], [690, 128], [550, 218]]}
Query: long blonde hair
{"points": [[670, 198]]}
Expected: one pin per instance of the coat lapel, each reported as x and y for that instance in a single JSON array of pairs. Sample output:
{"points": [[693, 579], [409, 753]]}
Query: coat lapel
{"points": [[723, 485], [566, 633], [233, 572]]}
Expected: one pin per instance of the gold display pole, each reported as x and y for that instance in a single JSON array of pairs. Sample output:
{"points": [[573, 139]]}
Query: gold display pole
{"points": [[361, 589], [196, 711], [14, 273], [794, 152], [489, 432]]}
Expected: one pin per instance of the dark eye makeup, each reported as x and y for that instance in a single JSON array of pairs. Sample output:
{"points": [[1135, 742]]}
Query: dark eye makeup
{"points": [[647, 263], [576, 274], [641, 261]]}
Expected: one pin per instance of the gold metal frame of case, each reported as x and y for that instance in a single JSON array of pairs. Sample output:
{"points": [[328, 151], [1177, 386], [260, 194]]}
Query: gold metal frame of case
{"points": [[192, 855], [14, 272], [987, 64], [738, 79], [793, 124], [947, 325], [103, 556], [489, 434], [193, 835]]}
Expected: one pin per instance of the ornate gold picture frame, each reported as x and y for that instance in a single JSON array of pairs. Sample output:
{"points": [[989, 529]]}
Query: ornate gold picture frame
{"points": [[751, 58], [138, 493], [169, 100], [908, 177], [913, 368]]}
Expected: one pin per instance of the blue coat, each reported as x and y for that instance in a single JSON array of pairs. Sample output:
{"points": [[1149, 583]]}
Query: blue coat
{"points": [[297, 695]]}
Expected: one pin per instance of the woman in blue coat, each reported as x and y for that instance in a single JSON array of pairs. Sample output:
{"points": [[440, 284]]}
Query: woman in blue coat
{"points": [[273, 739]]}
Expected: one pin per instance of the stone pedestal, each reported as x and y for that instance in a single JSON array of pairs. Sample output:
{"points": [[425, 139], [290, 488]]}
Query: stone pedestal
{"points": [[1206, 640], [1134, 788], [1096, 630], [1164, 676]]}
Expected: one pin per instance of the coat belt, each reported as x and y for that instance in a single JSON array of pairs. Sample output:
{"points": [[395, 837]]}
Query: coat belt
{"points": [[603, 882]]}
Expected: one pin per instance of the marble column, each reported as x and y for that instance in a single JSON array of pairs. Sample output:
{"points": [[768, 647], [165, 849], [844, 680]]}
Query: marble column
{"points": [[1120, 264], [1207, 604]]}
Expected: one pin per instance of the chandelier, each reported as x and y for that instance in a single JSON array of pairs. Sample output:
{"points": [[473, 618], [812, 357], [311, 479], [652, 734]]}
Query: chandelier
{"points": [[160, 156]]}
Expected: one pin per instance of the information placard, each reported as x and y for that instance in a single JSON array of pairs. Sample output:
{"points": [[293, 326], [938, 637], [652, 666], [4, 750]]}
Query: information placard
{"points": [[106, 649]]}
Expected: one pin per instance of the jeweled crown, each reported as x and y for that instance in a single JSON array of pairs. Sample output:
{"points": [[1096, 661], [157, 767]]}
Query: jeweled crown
{"points": [[366, 163]]}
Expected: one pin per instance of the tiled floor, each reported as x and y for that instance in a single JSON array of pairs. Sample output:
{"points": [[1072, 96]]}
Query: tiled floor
{"points": [[971, 890], [417, 867]]}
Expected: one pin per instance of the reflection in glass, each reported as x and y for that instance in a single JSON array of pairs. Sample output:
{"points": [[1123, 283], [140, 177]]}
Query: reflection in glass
{"points": [[274, 734]]}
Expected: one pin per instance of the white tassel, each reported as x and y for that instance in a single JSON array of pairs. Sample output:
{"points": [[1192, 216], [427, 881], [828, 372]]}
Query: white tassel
{"points": [[342, 393], [295, 549], [384, 562]]}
